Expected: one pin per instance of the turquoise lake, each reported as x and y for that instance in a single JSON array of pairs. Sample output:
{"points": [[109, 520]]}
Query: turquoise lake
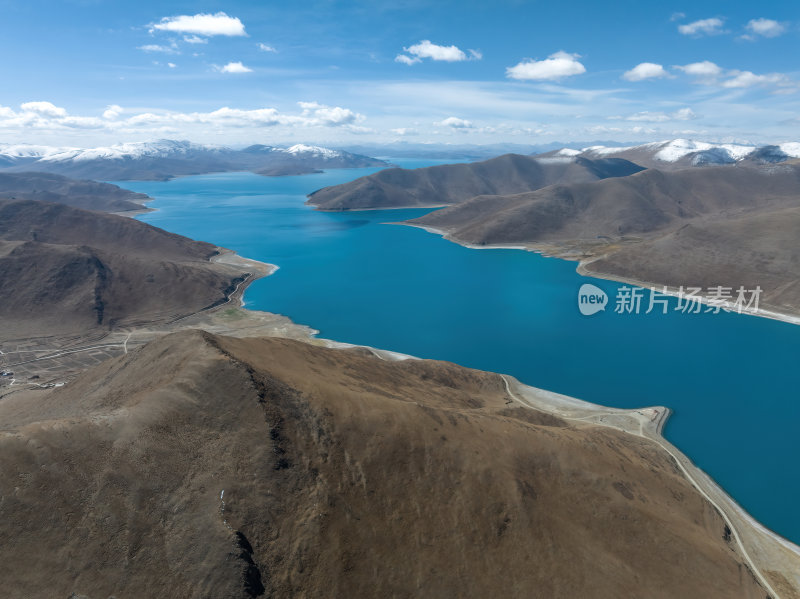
{"points": [[731, 380]]}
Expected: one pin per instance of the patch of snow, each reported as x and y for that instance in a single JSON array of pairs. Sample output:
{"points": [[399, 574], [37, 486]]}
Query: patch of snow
{"points": [[672, 151], [568, 152], [29, 150], [605, 150], [737, 151], [791, 148], [314, 150]]}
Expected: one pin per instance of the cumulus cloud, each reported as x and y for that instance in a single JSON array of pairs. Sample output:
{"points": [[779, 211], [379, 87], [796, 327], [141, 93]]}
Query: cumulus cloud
{"points": [[740, 79], [645, 70], [44, 108], [709, 73], [194, 39], [266, 48], [409, 60], [113, 111], [454, 123], [201, 24], [47, 117], [711, 26], [233, 67], [556, 66], [427, 49], [764, 28], [706, 69], [171, 65], [329, 116]]}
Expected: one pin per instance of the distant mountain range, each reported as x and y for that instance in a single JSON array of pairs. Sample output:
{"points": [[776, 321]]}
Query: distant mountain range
{"points": [[165, 159], [454, 183], [680, 153]]}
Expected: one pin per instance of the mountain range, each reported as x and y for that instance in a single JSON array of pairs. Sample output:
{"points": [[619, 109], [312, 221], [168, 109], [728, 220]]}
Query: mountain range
{"points": [[165, 159], [454, 183], [681, 153]]}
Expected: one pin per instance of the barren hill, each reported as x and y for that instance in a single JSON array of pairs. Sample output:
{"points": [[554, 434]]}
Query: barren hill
{"points": [[89, 195], [202, 466], [63, 269], [454, 183]]}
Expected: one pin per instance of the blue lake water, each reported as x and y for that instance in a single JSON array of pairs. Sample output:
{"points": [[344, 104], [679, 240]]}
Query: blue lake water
{"points": [[732, 380]]}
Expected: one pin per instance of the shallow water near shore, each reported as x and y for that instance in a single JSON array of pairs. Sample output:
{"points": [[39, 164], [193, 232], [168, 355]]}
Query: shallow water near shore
{"points": [[730, 379]]}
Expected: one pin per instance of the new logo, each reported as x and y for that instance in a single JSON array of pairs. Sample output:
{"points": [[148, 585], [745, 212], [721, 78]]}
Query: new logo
{"points": [[591, 299]]}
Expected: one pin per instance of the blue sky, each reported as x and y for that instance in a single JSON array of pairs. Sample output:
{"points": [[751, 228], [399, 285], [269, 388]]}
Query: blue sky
{"points": [[94, 72]]}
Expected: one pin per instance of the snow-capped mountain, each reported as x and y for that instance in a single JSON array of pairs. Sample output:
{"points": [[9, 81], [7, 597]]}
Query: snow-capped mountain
{"points": [[166, 158], [164, 148], [304, 150], [679, 153], [22, 151]]}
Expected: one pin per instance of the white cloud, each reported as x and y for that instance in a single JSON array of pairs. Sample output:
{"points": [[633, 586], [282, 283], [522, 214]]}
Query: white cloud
{"points": [[266, 48], [427, 49], [44, 109], [171, 49], [194, 39], [45, 117], [330, 116], [704, 70], [645, 70], [113, 111], [765, 28], [708, 73], [677, 16], [233, 67], [684, 114], [711, 26], [409, 60], [201, 24], [171, 65], [454, 123], [556, 66], [748, 79]]}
